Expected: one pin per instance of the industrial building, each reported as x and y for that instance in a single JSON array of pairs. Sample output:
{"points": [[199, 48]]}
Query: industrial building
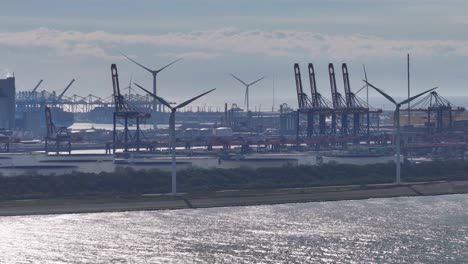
{"points": [[7, 103]]}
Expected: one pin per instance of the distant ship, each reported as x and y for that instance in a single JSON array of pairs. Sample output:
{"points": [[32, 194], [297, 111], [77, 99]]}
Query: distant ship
{"points": [[100, 115], [33, 118], [104, 114], [62, 118], [30, 109]]}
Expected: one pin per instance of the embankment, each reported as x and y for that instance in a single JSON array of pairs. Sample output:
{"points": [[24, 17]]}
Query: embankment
{"points": [[226, 198]]}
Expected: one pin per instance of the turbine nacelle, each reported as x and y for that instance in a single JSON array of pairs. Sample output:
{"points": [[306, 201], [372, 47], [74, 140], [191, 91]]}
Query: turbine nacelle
{"points": [[167, 104], [154, 72], [393, 100]]}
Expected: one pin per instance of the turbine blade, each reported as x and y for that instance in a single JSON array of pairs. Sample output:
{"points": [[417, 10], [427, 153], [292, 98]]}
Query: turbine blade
{"points": [[365, 73], [257, 81], [137, 63], [239, 79], [193, 99], [161, 100], [416, 96], [382, 93], [362, 88], [168, 65]]}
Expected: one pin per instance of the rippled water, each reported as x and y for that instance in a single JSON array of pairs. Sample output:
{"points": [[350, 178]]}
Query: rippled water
{"points": [[412, 230]]}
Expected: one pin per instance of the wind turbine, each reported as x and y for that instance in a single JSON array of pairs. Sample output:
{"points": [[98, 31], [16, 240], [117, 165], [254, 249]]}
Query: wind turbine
{"points": [[129, 87], [172, 128], [155, 74], [396, 123], [365, 85], [247, 85]]}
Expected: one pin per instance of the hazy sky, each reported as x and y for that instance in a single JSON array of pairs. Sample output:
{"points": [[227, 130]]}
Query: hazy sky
{"points": [[58, 40]]}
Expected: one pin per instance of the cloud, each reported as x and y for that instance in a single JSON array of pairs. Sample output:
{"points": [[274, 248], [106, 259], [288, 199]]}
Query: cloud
{"points": [[228, 41], [463, 20], [201, 55]]}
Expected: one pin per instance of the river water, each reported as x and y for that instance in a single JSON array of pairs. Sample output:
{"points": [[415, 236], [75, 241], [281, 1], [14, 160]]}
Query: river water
{"points": [[394, 230]]}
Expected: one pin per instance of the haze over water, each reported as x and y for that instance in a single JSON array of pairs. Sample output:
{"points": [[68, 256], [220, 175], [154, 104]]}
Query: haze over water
{"points": [[410, 230]]}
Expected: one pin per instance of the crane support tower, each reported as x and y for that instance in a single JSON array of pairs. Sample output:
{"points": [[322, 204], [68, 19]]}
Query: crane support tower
{"points": [[320, 105], [355, 107], [58, 136], [126, 134], [339, 106]]}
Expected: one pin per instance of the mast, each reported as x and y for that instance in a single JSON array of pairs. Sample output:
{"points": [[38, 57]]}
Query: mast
{"points": [[409, 92]]}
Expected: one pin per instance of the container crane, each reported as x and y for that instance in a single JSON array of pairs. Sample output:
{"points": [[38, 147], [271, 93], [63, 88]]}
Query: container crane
{"points": [[353, 104], [125, 115], [58, 135], [339, 104], [319, 103]]}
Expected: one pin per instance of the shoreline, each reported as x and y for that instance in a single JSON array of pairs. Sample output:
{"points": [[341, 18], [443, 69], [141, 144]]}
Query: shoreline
{"points": [[227, 198]]}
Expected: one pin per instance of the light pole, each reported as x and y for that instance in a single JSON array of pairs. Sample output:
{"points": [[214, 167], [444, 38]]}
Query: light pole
{"points": [[172, 129], [396, 123]]}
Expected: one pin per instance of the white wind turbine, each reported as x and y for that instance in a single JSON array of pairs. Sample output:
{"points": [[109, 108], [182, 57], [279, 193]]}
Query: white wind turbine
{"points": [[129, 87], [155, 74], [172, 129], [396, 123], [247, 85]]}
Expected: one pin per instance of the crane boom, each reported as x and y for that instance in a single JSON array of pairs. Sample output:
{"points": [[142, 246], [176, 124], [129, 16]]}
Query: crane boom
{"points": [[347, 86], [313, 86], [300, 92], [37, 86], [64, 91], [119, 101], [334, 92], [116, 88], [297, 76]]}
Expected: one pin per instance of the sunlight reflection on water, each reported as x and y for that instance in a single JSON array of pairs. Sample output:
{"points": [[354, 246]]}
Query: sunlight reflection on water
{"points": [[412, 230]]}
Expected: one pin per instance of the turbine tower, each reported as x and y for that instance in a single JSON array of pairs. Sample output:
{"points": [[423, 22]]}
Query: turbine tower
{"points": [[172, 129], [247, 85], [396, 123], [156, 104], [129, 87]]}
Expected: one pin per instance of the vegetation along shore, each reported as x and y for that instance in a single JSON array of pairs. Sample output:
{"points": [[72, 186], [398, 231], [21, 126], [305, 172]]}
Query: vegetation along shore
{"points": [[126, 189]]}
